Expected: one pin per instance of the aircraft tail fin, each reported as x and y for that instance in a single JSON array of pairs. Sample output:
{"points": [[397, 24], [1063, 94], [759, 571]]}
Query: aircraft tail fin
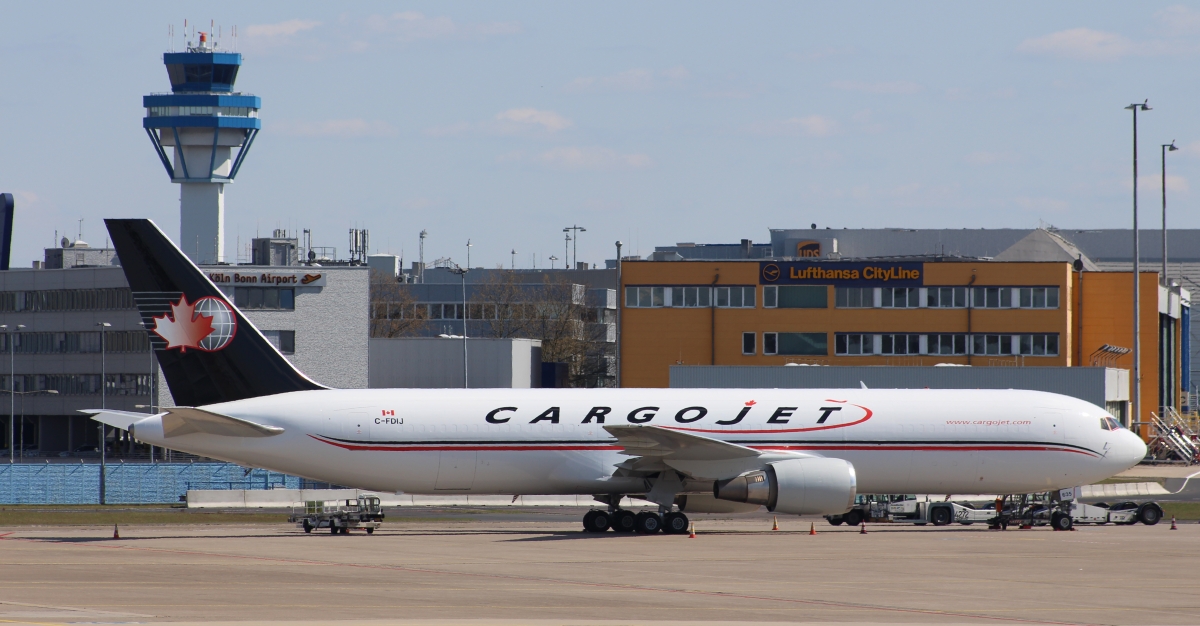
{"points": [[209, 352]]}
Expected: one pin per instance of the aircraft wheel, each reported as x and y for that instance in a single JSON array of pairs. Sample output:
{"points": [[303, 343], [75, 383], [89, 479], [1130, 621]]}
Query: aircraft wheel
{"points": [[675, 523], [1149, 514], [853, 517], [624, 521], [596, 521], [648, 523], [1061, 521]]}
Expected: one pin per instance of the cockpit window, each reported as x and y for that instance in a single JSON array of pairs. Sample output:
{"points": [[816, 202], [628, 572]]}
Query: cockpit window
{"points": [[1113, 424], [1104, 425]]}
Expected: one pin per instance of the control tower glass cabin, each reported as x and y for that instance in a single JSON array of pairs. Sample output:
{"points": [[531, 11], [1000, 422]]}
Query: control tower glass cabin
{"points": [[201, 121]]}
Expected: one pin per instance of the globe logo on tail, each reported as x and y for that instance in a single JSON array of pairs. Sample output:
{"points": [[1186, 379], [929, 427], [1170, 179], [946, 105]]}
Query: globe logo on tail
{"points": [[207, 325]]}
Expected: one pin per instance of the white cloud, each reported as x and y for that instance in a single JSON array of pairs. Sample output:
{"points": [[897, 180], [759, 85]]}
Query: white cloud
{"points": [[812, 125], [1153, 182], [637, 79], [895, 87], [524, 119], [593, 158], [1179, 20], [281, 29], [415, 26], [1082, 44], [346, 128]]}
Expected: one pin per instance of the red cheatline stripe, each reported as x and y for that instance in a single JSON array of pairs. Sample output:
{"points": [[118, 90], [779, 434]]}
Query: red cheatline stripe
{"points": [[927, 448]]}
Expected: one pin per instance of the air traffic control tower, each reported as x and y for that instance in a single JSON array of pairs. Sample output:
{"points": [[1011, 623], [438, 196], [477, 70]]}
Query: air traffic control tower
{"points": [[202, 120]]}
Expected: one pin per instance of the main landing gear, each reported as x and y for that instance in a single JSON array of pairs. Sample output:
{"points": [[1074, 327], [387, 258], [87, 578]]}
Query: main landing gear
{"points": [[646, 522]]}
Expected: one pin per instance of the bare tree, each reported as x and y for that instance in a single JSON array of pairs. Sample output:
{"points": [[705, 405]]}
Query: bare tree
{"points": [[394, 310]]}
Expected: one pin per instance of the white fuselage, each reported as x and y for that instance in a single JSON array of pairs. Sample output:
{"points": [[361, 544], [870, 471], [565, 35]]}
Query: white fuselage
{"points": [[551, 441]]}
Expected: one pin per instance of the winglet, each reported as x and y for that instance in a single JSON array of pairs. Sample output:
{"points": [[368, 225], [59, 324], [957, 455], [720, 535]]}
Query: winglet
{"points": [[864, 385]]}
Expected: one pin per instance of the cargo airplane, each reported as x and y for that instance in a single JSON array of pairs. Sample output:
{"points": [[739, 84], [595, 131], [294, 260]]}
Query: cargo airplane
{"points": [[795, 451]]}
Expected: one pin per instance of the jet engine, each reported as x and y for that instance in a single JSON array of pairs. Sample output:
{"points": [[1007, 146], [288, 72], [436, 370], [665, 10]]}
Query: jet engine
{"points": [[810, 486]]}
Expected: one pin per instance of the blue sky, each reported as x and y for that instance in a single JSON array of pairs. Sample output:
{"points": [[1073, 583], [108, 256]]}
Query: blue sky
{"points": [[652, 123]]}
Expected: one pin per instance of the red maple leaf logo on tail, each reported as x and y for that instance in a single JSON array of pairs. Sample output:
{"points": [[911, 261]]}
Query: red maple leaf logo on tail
{"points": [[183, 328]]}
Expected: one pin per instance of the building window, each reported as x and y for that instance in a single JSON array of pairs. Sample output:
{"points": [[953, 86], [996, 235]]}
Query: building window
{"points": [[900, 344], [770, 343], [735, 297], [1039, 345], [991, 345], [691, 297], [992, 297], [947, 344], [796, 297], [645, 297], [900, 298], [283, 340], [748, 343], [803, 344], [269, 298], [851, 344], [946, 298], [854, 297], [1038, 297], [66, 300]]}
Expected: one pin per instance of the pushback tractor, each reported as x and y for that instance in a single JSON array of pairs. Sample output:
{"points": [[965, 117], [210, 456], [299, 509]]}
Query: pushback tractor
{"points": [[339, 516]]}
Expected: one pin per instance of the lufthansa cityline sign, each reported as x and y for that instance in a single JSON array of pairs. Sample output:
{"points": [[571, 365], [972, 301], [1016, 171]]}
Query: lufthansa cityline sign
{"points": [[252, 278], [842, 274]]}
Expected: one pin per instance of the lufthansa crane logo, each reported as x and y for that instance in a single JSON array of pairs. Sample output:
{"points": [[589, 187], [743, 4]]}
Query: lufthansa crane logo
{"points": [[770, 272]]}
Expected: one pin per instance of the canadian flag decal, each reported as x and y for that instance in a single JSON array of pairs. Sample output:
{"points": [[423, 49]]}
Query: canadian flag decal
{"points": [[388, 412], [207, 325]]}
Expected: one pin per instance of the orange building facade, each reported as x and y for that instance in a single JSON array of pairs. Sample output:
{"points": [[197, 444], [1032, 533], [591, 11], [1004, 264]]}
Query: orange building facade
{"points": [[897, 313]]}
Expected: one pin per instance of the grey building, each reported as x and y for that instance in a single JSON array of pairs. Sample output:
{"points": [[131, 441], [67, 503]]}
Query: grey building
{"points": [[437, 363], [55, 341], [438, 302]]}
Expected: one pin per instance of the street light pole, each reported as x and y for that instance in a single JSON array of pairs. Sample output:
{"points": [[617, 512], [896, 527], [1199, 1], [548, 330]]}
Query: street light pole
{"points": [[575, 243], [1136, 417], [104, 326], [12, 393], [620, 297], [1166, 147], [462, 273]]}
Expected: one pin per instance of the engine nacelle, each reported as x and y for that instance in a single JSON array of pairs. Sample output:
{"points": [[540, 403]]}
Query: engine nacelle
{"points": [[703, 503], [810, 486]]}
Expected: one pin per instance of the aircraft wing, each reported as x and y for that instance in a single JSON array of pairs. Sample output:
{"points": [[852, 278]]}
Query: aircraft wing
{"points": [[656, 441], [655, 449], [116, 419]]}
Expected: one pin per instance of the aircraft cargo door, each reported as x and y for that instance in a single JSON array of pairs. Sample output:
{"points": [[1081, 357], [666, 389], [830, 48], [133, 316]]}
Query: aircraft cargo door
{"points": [[456, 470]]}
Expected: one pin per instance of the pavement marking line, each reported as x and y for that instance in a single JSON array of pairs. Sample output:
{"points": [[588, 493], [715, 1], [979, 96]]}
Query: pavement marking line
{"points": [[72, 609], [533, 579]]}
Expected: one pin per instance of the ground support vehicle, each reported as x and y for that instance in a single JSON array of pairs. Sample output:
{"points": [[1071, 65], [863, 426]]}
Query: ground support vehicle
{"points": [[1062, 510], [918, 512], [339, 516], [867, 508]]}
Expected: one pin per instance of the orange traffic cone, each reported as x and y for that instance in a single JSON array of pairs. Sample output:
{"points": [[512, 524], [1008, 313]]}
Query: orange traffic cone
{"points": [[812, 528], [1173, 526], [775, 525], [116, 534], [863, 529], [692, 531]]}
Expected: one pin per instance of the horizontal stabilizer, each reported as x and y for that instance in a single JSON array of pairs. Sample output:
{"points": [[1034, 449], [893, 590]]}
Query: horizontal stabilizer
{"points": [[116, 419], [182, 420]]}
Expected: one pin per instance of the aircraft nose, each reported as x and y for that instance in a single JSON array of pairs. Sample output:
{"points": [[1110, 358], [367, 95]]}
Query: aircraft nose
{"points": [[1131, 448]]}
